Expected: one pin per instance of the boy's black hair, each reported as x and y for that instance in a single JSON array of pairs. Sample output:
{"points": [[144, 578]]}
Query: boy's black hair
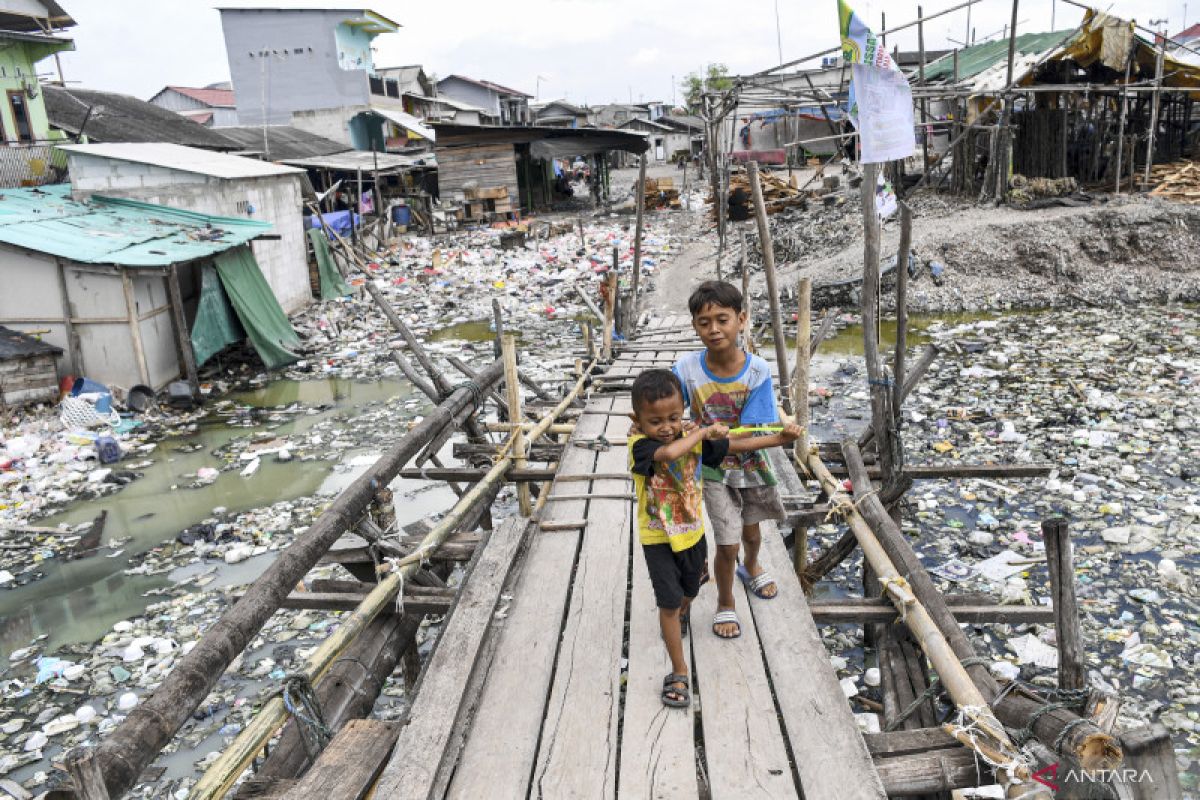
{"points": [[655, 384], [715, 293]]}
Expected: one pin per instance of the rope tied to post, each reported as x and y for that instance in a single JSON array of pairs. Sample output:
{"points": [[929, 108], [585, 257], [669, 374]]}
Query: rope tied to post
{"points": [[473, 387], [302, 705], [968, 729], [1056, 699], [935, 688]]}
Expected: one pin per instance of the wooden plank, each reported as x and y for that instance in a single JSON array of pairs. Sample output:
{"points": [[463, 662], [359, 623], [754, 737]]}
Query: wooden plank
{"points": [[831, 757], [743, 744], [347, 767], [658, 758], [578, 752], [898, 743], [419, 769], [497, 758]]}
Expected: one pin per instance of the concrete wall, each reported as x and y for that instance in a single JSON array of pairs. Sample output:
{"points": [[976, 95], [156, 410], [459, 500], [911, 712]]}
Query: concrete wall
{"points": [[300, 69], [96, 298], [332, 123], [465, 92], [274, 199]]}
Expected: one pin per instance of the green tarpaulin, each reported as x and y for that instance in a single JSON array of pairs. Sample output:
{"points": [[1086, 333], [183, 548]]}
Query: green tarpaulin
{"points": [[257, 309], [332, 284], [215, 327]]}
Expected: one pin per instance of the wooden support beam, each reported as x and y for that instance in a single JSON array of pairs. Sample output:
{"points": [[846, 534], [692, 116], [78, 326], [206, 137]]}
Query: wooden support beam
{"points": [[135, 327], [1072, 669], [182, 336], [800, 406], [768, 256], [512, 389], [84, 769], [418, 600], [631, 312]]}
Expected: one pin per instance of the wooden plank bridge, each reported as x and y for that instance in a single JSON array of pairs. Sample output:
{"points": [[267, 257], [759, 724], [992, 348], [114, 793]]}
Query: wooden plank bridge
{"points": [[545, 680]]}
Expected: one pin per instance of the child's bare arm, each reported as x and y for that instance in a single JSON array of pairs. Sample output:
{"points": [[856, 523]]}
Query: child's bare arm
{"points": [[790, 433], [678, 448]]}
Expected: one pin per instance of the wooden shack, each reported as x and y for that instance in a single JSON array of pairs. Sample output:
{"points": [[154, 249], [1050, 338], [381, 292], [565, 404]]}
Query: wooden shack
{"points": [[28, 369]]}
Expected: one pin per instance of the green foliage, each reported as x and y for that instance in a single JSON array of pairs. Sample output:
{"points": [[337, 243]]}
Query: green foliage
{"points": [[716, 79]]}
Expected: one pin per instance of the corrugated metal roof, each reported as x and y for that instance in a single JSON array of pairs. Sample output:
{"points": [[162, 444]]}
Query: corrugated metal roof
{"points": [[976, 59], [215, 98], [185, 159], [113, 117], [283, 141], [110, 230]]}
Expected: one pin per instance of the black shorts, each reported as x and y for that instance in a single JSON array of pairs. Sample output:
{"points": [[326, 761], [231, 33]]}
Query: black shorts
{"points": [[675, 575]]}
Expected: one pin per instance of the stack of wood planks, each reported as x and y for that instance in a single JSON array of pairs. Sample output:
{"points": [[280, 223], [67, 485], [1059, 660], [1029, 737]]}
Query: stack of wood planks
{"points": [[661, 193], [1178, 181], [482, 202], [778, 193]]}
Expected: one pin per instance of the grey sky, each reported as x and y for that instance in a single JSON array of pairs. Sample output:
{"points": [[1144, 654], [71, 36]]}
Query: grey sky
{"points": [[587, 50]]}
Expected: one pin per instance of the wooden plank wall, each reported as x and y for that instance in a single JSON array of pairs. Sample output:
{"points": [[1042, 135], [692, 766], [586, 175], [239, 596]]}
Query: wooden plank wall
{"points": [[486, 165]]}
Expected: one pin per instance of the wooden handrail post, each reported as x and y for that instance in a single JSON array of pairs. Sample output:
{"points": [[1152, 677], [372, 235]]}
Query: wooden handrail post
{"points": [[1061, 563]]}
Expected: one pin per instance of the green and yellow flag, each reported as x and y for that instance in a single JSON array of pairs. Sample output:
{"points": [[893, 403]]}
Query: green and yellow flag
{"points": [[880, 98]]}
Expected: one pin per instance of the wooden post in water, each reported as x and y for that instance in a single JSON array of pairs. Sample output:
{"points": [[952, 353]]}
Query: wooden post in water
{"points": [[800, 405], [1154, 103], [1061, 564], [744, 267], [870, 298], [516, 414], [631, 314], [768, 255], [498, 320], [610, 301], [901, 308]]}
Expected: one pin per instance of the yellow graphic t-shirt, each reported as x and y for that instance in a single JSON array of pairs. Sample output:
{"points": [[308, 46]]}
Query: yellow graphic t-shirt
{"points": [[669, 493]]}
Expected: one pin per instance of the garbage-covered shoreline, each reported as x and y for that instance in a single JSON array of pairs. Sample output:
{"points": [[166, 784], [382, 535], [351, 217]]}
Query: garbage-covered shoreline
{"points": [[1107, 395]]}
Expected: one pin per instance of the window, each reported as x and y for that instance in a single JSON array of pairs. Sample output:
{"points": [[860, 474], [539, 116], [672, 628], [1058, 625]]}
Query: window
{"points": [[20, 113]]}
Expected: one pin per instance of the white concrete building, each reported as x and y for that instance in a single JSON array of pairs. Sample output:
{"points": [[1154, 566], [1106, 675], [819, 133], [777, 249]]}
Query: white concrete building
{"points": [[209, 183]]}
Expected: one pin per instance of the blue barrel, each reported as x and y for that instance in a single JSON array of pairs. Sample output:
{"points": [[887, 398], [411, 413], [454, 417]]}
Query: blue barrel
{"points": [[401, 215]]}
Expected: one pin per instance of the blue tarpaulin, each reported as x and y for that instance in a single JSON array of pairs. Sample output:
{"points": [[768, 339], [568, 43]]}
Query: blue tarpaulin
{"points": [[338, 220]]}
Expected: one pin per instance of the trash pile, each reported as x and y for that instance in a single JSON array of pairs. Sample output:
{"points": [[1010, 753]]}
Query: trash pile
{"points": [[1108, 398], [443, 288], [80, 450]]}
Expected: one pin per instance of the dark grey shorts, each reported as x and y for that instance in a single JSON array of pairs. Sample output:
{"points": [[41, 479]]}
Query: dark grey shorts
{"points": [[731, 507]]}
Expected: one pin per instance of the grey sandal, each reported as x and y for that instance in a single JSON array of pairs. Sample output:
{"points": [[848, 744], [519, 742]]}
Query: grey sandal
{"points": [[683, 697]]}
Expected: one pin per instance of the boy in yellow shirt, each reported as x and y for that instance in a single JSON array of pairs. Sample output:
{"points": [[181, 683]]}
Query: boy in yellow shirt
{"points": [[667, 466]]}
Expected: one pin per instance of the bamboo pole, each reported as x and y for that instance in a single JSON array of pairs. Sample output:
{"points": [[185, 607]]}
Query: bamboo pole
{"points": [[1124, 101], [768, 256], [516, 413], [610, 301], [149, 727], [744, 265], [631, 313], [222, 774], [1154, 103], [950, 670], [800, 406]]}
